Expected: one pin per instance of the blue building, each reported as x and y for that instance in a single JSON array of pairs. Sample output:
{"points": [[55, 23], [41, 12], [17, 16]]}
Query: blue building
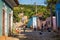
{"points": [[6, 15], [32, 22], [58, 14]]}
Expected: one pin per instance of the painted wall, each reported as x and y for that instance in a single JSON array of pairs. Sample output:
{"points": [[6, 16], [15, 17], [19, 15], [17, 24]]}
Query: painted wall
{"points": [[54, 23], [8, 10], [58, 14], [1, 17], [34, 22]]}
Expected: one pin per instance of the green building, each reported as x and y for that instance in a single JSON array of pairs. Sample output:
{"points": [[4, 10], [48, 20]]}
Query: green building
{"points": [[6, 15]]}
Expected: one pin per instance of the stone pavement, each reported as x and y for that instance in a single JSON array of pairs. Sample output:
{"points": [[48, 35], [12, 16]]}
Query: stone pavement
{"points": [[32, 35], [38, 36], [35, 35]]}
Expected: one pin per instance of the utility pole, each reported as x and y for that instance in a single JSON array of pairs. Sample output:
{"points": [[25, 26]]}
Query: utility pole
{"points": [[35, 7], [35, 14], [31, 1]]}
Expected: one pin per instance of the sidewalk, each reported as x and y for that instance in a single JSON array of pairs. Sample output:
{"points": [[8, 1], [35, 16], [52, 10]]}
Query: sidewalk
{"points": [[8, 38]]}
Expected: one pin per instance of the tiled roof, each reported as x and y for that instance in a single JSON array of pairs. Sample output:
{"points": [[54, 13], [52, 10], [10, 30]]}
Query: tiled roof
{"points": [[12, 3]]}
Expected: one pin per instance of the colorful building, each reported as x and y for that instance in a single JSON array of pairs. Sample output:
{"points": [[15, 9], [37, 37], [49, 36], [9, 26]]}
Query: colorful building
{"points": [[58, 14], [48, 22], [6, 15], [32, 22]]}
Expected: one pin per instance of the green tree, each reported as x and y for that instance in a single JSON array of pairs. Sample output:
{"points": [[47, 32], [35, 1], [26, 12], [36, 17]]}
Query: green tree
{"points": [[16, 11], [29, 10], [51, 5]]}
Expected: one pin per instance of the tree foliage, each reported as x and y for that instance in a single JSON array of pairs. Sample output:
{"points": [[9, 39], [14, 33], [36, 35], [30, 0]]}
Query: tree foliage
{"points": [[29, 10], [16, 11], [52, 4]]}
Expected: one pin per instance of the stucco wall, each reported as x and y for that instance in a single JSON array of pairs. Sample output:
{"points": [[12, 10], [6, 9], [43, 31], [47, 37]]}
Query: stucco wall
{"points": [[58, 14], [1, 4], [8, 11]]}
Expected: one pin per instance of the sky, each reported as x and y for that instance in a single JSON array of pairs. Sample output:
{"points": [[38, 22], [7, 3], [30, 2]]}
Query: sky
{"points": [[38, 2]]}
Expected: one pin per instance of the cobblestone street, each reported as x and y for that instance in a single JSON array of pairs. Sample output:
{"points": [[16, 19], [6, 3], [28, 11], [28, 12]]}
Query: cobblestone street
{"points": [[32, 35], [35, 35]]}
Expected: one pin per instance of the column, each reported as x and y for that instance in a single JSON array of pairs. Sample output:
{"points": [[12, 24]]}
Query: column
{"points": [[4, 20], [10, 22]]}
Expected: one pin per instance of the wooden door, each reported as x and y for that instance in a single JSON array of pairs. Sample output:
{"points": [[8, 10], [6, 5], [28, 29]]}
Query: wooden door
{"points": [[3, 23]]}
